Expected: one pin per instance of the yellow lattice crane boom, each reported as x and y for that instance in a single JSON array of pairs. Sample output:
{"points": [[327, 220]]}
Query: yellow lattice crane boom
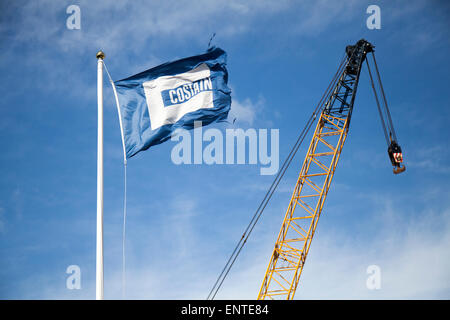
{"points": [[307, 201]]}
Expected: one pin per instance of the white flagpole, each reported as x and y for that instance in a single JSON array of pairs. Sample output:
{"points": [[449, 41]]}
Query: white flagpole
{"points": [[99, 261]]}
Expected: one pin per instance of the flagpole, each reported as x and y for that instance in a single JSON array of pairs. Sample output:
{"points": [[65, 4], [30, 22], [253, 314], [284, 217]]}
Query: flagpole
{"points": [[99, 261]]}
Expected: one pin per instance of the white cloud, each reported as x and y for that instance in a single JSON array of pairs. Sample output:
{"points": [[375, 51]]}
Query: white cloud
{"points": [[115, 25], [430, 158], [245, 111], [412, 254], [320, 15], [129, 26], [410, 247]]}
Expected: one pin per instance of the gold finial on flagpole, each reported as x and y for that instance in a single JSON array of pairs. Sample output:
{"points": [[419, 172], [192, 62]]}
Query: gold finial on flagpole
{"points": [[100, 55]]}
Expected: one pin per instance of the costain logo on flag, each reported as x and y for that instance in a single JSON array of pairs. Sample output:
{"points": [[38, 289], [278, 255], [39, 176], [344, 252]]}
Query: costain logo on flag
{"points": [[173, 95], [174, 91], [185, 92]]}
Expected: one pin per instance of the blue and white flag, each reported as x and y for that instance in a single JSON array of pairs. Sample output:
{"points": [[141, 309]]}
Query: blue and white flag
{"points": [[156, 102]]}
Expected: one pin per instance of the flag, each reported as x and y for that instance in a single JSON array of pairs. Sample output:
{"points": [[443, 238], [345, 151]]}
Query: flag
{"points": [[156, 102]]}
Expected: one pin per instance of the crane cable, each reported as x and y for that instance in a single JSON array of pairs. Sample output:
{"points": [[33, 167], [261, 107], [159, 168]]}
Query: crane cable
{"points": [[274, 184], [386, 124], [378, 104], [388, 113]]}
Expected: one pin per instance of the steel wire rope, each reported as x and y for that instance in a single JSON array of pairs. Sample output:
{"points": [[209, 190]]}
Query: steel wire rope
{"points": [[391, 125], [124, 181], [378, 104]]}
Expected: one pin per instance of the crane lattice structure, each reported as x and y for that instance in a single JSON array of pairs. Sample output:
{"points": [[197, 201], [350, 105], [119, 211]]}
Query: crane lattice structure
{"points": [[307, 201]]}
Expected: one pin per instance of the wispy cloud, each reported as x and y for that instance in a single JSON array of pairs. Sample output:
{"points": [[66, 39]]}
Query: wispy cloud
{"points": [[104, 24], [432, 159], [412, 255], [181, 233], [245, 112], [323, 14]]}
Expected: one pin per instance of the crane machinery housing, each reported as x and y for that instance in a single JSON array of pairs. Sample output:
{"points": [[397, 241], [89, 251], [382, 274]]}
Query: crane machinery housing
{"points": [[300, 222]]}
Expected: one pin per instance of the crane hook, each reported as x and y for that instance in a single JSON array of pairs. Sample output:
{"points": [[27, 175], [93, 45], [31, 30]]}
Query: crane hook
{"points": [[396, 157]]}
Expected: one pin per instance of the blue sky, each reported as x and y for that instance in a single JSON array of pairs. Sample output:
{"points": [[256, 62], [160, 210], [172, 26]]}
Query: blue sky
{"points": [[183, 221]]}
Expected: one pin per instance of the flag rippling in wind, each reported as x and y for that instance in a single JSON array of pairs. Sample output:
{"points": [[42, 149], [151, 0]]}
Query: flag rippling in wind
{"points": [[156, 102]]}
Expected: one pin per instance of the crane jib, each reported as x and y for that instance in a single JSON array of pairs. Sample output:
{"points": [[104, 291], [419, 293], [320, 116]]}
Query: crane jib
{"points": [[333, 114], [294, 239]]}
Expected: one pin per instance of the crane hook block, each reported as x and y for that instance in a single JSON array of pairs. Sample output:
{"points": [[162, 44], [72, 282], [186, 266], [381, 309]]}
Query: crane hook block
{"points": [[395, 154]]}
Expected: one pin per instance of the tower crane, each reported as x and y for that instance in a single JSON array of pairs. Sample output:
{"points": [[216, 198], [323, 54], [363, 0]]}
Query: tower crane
{"points": [[300, 222]]}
